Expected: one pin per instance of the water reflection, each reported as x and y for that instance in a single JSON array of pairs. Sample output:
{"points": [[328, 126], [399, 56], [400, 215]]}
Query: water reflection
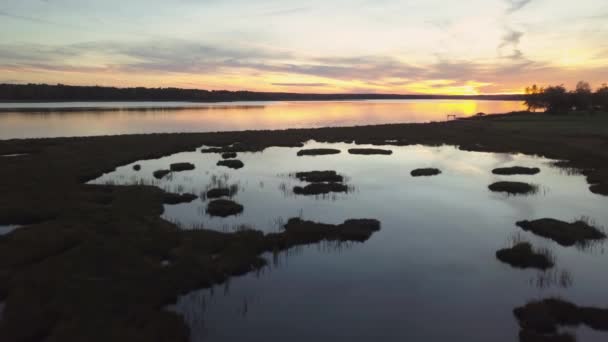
{"points": [[6, 229], [552, 278], [434, 258], [115, 118], [236, 301]]}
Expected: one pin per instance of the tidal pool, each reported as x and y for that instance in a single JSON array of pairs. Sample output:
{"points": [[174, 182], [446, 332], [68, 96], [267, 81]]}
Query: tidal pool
{"points": [[430, 273]]}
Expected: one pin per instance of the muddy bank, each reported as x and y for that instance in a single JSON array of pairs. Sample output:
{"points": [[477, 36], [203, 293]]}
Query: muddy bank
{"points": [[319, 176], [513, 188], [564, 233], [516, 170], [425, 172], [523, 256], [318, 152]]}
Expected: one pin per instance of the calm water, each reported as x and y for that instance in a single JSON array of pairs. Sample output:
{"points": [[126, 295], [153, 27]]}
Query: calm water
{"points": [[85, 119], [430, 274]]}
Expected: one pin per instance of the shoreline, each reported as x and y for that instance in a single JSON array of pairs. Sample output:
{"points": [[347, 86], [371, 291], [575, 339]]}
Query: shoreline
{"points": [[72, 226]]}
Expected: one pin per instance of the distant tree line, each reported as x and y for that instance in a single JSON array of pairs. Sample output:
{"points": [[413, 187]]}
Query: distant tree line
{"points": [[60, 92], [556, 99]]}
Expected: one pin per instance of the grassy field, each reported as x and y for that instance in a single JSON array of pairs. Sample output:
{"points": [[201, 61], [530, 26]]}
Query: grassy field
{"points": [[89, 264]]}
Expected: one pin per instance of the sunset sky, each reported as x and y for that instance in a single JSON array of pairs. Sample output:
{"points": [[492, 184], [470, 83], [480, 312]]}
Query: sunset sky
{"points": [[382, 46]]}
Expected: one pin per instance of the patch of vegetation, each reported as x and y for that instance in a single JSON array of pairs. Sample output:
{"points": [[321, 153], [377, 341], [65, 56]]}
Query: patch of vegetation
{"points": [[46, 278], [599, 189], [231, 163], [319, 176], [177, 167], [523, 256], [218, 192], [224, 208], [546, 316], [564, 233], [320, 188], [370, 151], [513, 188], [425, 172], [516, 170], [318, 152], [171, 198], [350, 230], [229, 155], [159, 174], [531, 336]]}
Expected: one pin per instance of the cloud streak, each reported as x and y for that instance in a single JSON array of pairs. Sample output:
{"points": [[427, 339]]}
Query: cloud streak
{"points": [[516, 5]]}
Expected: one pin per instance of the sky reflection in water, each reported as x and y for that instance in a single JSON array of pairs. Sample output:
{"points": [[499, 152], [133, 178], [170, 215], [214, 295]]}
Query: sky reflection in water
{"points": [[114, 118], [430, 274]]}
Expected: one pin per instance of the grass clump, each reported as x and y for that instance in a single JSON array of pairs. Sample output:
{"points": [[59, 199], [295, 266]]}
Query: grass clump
{"points": [[231, 163], [516, 170], [546, 316], [320, 188], [229, 155], [218, 192], [513, 188], [564, 233], [350, 230], [170, 198], [224, 208], [425, 172], [318, 152], [159, 174], [319, 176], [523, 256], [177, 167], [370, 151]]}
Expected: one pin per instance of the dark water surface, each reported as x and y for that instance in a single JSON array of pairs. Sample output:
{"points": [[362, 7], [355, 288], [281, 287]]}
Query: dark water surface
{"points": [[35, 120], [430, 273]]}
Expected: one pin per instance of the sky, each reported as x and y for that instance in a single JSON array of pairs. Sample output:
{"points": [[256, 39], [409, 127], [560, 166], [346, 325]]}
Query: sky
{"points": [[320, 46]]}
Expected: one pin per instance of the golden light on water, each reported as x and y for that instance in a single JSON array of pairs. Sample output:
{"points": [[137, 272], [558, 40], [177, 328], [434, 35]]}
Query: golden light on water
{"points": [[278, 115]]}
